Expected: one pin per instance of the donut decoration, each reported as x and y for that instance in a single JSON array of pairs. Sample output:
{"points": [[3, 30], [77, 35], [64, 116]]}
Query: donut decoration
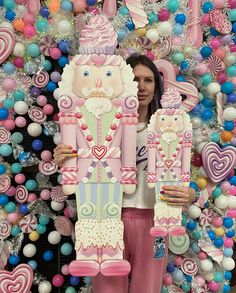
{"points": [[37, 115], [47, 168], [7, 43], [179, 244], [5, 228], [22, 193], [5, 183], [5, 135], [206, 217], [40, 79], [19, 280], [57, 194], [28, 223], [189, 267]]}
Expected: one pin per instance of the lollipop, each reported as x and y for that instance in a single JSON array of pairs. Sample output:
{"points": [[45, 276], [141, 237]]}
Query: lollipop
{"points": [[28, 223], [214, 64], [5, 183], [7, 42], [46, 44], [189, 267], [5, 228], [40, 79], [58, 195], [36, 114], [5, 136], [179, 244], [22, 193], [47, 168]]}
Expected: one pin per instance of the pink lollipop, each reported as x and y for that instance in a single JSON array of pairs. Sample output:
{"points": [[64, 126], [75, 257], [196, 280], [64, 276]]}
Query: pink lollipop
{"points": [[36, 114], [22, 193], [214, 64], [28, 223], [7, 43], [19, 280], [5, 228], [40, 79], [189, 267], [47, 168], [5, 136], [5, 183]]}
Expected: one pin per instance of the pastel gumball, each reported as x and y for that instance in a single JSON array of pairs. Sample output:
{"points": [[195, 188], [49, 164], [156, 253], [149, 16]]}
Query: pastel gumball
{"points": [[19, 178], [178, 260], [58, 280], [45, 287], [206, 265], [45, 194], [41, 100], [9, 124], [194, 212], [13, 217], [21, 107], [20, 121], [8, 84], [228, 263], [225, 186], [202, 255], [219, 4], [31, 197], [65, 269], [228, 242], [29, 250], [229, 114], [46, 156], [217, 221], [54, 237], [200, 280], [214, 286], [48, 109], [34, 129]]}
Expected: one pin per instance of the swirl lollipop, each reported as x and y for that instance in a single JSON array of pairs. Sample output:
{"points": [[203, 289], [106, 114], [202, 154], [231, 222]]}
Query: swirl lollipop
{"points": [[7, 42], [40, 79]]}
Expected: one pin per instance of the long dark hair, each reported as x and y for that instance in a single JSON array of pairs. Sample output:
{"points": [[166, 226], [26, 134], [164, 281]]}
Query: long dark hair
{"points": [[137, 59]]}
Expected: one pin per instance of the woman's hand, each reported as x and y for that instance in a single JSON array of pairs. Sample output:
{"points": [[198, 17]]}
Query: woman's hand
{"points": [[63, 152], [178, 195]]}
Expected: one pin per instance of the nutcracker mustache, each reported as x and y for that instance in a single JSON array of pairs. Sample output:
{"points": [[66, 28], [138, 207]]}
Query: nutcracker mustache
{"points": [[91, 92], [98, 106]]}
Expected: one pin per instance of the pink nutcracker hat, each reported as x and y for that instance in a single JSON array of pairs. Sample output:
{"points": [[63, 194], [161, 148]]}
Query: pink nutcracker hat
{"points": [[171, 99]]}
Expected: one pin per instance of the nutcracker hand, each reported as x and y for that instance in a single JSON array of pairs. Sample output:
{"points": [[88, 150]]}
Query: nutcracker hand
{"points": [[69, 189], [151, 185], [129, 188]]}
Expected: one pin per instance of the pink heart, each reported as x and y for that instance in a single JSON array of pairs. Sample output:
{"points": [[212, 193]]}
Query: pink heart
{"points": [[218, 162], [7, 43], [168, 163], [19, 280], [99, 151], [98, 60]]}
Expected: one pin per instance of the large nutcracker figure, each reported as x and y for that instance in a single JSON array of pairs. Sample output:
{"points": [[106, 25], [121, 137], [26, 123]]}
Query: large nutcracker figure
{"points": [[98, 118], [169, 155]]}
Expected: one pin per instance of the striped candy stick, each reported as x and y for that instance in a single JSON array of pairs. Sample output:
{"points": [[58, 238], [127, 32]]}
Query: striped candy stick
{"points": [[137, 13]]}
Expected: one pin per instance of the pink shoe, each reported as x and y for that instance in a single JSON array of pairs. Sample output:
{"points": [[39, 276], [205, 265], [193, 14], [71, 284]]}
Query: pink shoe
{"points": [[176, 230], [158, 231], [84, 268], [115, 267]]}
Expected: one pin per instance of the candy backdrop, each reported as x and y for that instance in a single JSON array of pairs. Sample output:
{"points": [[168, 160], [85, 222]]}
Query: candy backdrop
{"points": [[35, 44]]}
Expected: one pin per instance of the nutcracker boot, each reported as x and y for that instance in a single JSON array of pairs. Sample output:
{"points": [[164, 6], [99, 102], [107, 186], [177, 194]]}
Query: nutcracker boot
{"points": [[160, 228], [112, 262], [86, 263], [175, 227]]}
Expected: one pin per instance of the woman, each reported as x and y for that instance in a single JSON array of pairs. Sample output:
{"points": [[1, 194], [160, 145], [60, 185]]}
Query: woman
{"points": [[137, 214]]}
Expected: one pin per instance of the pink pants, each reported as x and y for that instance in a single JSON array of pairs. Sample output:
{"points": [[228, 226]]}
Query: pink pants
{"points": [[146, 272]]}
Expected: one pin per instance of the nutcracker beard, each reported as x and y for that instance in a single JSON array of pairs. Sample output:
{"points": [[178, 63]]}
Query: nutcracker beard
{"points": [[98, 106]]}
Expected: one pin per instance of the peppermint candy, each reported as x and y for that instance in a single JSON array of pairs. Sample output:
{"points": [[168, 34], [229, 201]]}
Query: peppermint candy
{"points": [[5, 135], [58, 195], [28, 223], [5, 183], [7, 43], [5, 228], [189, 267], [40, 79], [22, 193], [205, 218], [36, 114], [214, 64], [47, 168], [46, 44]]}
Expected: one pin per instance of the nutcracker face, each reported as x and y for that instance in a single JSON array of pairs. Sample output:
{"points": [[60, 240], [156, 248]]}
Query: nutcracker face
{"points": [[169, 123], [98, 82]]}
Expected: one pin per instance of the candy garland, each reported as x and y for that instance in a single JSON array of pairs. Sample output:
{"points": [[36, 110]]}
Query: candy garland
{"points": [[35, 43]]}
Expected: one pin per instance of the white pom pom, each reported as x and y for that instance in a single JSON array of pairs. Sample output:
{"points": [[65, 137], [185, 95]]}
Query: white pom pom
{"points": [[194, 212], [228, 263], [229, 114], [213, 88], [221, 202], [57, 206], [165, 29], [206, 265], [45, 287]]}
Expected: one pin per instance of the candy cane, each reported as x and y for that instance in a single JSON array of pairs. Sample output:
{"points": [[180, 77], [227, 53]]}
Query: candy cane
{"points": [[137, 13], [109, 7], [184, 88], [194, 31]]}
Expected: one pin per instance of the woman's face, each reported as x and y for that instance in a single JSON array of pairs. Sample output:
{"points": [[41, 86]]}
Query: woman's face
{"points": [[146, 84]]}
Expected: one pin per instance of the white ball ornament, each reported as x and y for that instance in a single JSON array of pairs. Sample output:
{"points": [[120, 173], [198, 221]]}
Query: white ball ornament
{"points": [[199, 147], [229, 59], [229, 114], [34, 129], [165, 29], [19, 50], [56, 94], [21, 108], [57, 138], [228, 263], [54, 237], [45, 287], [232, 202], [213, 88], [206, 265], [57, 206], [29, 250], [188, 51], [221, 202], [196, 122], [194, 212], [64, 27], [153, 35], [209, 276]]}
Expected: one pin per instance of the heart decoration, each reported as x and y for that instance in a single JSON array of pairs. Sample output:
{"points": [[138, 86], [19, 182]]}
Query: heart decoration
{"points": [[7, 43], [98, 60], [99, 151], [169, 163], [218, 162], [19, 280]]}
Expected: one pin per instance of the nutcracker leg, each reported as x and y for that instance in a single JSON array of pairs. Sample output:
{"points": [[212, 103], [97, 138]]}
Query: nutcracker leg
{"points": [[175, 227]]}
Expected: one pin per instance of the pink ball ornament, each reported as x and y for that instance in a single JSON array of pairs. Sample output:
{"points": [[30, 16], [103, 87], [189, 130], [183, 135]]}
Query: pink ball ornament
{"points": [[20, 122], [19, 178], [79, 5], [163, 15], [232, 190], [45, 194], [58, 280], [222, 77], [176, 41], [167, 280], [41, 100], [213, 286], [231, 213], [214, 43], [225, 186], [65, 270], [48, 109], [13, 217], [202, 255], [55, 53], [178, 260], [69, 212], [11, 191], [219, 4], [232, 4], [28, 19], [55, 117], [200, 280], [201, 69], [9, 124], [150, 55], [8, 84], [220, 52], [217, 222], [206, 19], [18, 62], [29, 31], [46, 155], [228, 242], [31, 197]]}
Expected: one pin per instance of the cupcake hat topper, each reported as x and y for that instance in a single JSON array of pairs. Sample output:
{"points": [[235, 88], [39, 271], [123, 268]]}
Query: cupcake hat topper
{"points": [[171, 99]]}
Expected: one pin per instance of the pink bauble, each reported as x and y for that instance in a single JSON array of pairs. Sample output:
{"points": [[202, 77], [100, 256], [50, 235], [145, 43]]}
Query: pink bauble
{"points": [[31, 197], [228, 242], [206, 19], [217, 222], [219, 4], [232, 48], [220, 52], [8, 84], [48, 109], [213, 286], [202, 255], [13, 217], [19, 178], [222, 77], [214, 43], [176, 41], [58, 280], [225, 186], [231, 213], [46, 155], [232, 190], [45, 194], [201, 69], [200, 280], [11, 191], [18, 62], [55, 117], [9, 124], [163, 15], [232, 4], [28, 19], [178, 260], [55, 53], [150, 55], [65, 270], [41, 100], [20, 122], [69, 212], [29, 31], [167, 280], [79, 5]]}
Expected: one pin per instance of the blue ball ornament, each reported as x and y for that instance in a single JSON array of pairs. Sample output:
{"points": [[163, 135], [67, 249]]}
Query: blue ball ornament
{"points": [[197, 109], [48, 255], [66, 249], [3, 169], [178, 29], [211, 234], [62, 61], [122, 35], [230, 233], [3, 114], [214, 32], [180, 78], [232, 180], [44, 11], [43, 220], [188, 278], [74, 281], [10, 15], [180, 18], [208, 103], [177, 275], [206, 51], [228, 252], [41, 229], [51, 86], [15, 230], [31, 184], [228, 222], [64, 46], [130, 25], [207, 115], [5, 150], [47, 65], [24, 209], [91, 2], [9, 68], [42, 25], [18, 95], [186, 287], [193, 185], [66, 5], [231, 98], [234, 27], [217, 192], [207, 7], [218, 277], [184, 65], [37, 144], [123, 11], [9, 4], [228, 275], [206, 79], [170, 268], [228, 125], [227, 87], [215, 136], [191, 225], [226, 288], [33, 264], [218, 242], [14, 259], [8, 103], [3, 199]]}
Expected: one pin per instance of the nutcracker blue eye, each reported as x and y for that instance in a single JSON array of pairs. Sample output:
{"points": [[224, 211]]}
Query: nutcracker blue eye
{"points": [[176, 118], [85, 73], [162, 119], [108, 74]]}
